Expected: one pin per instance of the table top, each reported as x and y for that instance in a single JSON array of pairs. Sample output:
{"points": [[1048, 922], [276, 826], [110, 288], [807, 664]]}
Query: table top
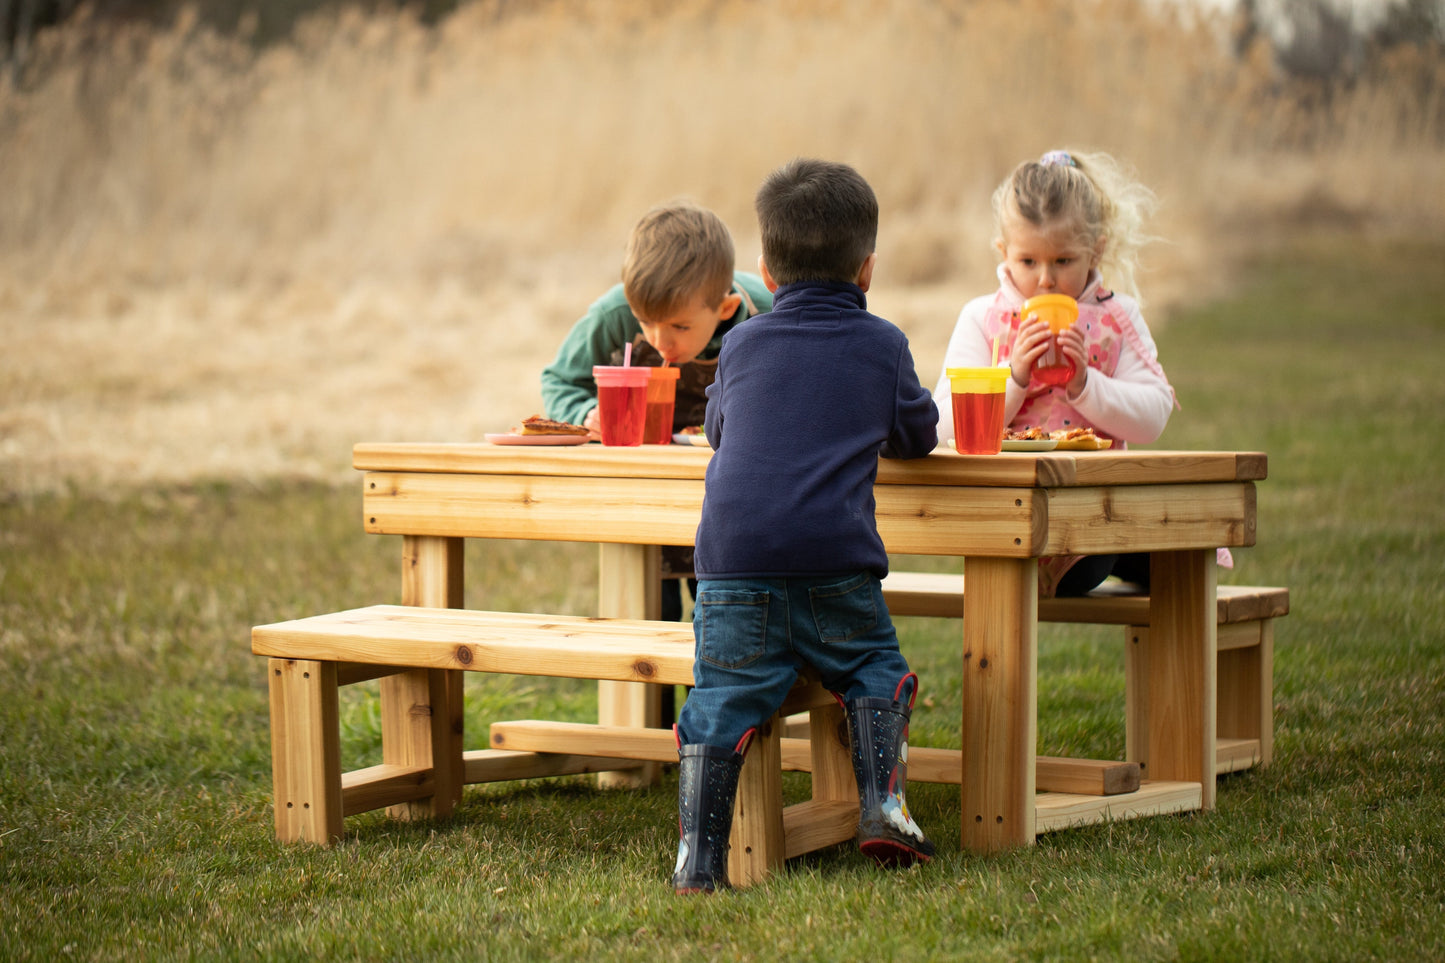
{"points": [[1012, 505], [1054, 469]]}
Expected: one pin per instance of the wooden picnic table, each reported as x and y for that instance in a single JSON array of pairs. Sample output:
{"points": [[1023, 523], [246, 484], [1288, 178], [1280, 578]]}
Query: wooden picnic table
{"points": [[1000, 513]]}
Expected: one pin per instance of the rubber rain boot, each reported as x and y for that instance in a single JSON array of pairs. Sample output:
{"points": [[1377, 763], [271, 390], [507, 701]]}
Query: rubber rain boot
{"points": [[879, 731], [707, 784]]}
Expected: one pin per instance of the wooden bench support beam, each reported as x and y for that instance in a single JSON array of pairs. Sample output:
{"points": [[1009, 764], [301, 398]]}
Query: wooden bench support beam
{"points": [[1236, 755], [1063, 810], [817, 824], [505, 765], [363, 790], [1099, 777]]}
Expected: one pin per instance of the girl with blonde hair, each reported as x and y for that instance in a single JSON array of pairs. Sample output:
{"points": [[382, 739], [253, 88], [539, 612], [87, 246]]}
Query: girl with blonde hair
{"points": [[1065, 222]]}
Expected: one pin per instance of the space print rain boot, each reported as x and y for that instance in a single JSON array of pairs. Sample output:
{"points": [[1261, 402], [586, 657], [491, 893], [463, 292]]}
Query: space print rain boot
{"points": [[707, 784], [879, 731]]}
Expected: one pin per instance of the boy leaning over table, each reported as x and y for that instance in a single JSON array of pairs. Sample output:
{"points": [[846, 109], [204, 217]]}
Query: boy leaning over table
{"points": [[679, 295], [789, 559]]}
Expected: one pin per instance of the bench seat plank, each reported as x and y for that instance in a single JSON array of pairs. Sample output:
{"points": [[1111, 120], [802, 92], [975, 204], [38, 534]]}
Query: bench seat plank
{"points": [[941, 594], [561, 646]]}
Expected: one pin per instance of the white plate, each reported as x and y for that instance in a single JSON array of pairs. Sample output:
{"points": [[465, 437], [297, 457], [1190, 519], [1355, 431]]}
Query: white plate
{"points": [[506, 438], [1029, 444], [697, 441]]}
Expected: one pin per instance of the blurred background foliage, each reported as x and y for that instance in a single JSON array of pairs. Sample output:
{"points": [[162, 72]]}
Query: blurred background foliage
{"points": [[1309, 38], [236, 236]]}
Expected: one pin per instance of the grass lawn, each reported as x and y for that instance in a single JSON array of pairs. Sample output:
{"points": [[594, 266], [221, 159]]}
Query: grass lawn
{"points": [[134, 762]]}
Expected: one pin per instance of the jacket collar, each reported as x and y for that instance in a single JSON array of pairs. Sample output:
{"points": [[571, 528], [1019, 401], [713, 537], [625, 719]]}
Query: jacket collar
{"points": [[843, 294]]}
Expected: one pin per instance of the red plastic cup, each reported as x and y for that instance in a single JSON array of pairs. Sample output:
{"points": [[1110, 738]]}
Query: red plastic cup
{"points": [[621, 403], [661, 401], [1060, 312], [978, 402]]}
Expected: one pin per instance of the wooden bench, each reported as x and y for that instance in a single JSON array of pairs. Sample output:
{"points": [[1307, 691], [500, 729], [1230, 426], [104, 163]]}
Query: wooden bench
{"points": [[1245, 675], [420, 653], [311, 658]]}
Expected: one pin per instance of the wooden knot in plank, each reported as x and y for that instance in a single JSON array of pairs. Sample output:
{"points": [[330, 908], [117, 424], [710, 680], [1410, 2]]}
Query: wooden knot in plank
{"points": [[644, 668], [464, 654]]}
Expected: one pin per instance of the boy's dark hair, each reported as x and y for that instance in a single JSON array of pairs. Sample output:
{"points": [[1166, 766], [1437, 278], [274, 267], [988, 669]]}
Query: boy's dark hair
{"points": [[819, 221]]}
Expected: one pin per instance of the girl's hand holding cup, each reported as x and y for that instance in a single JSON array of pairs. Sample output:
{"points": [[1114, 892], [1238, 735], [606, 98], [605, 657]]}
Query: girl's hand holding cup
{"points": [[1071, 347], [1056, 313], [1033, 339]]}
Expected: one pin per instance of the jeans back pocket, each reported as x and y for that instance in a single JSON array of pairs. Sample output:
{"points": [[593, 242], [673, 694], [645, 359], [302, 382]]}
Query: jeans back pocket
{"points": [[847, 609], [731, 626]]}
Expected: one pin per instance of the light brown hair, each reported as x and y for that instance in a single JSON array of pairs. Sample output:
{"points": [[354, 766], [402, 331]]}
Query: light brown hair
{"points": [[1095, 193], [677, 252]]}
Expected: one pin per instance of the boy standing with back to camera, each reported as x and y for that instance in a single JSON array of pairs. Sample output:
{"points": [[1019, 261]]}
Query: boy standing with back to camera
{"points": [[788, 556]]}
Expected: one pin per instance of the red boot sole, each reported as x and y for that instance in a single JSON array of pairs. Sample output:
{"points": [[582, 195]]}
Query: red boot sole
{"points": [[891, 854]]}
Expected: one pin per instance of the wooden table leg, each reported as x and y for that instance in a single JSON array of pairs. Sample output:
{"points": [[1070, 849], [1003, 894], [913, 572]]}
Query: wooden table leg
{"points": [[1000, 703], [1181, 665], [421, 710], [629, 587]]}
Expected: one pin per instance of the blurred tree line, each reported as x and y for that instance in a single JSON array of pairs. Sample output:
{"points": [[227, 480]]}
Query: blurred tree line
{"points": [[1311, 39], [265, 21], [1318, 40]]}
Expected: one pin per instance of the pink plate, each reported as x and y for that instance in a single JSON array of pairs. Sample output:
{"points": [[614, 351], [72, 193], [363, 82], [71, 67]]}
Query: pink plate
{"points": [[510, 439]]}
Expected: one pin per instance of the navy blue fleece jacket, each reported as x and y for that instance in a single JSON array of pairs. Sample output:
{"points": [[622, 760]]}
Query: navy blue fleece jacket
{"points": [[806, 399]]}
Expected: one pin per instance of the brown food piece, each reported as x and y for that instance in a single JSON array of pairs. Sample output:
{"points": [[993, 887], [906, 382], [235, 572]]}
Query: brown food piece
{"points": [[537, 425], [1032, 433]]}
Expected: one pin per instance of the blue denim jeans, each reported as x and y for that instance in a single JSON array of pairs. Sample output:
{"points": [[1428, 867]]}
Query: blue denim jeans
{"points": [[753, 635]]}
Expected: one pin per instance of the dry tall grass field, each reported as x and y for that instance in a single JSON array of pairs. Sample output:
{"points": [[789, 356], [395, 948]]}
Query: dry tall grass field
{"points": [[223, 262]]}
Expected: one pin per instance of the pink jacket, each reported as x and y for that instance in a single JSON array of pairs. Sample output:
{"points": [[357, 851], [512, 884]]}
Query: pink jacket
{"points": [[1127, 396]]}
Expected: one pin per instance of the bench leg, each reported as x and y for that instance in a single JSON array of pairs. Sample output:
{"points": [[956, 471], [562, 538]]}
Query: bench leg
{"points": [[1136, 693], [305, 750], [1246, 692], [629, 587], [421, 727], [833, 779], [1244, 695], [756, 846]]}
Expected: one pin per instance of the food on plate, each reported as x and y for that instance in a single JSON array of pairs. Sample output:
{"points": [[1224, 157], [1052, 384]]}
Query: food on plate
{"points": [[692, 435], [537, 425], [1029, 433], [1080, 439]]}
